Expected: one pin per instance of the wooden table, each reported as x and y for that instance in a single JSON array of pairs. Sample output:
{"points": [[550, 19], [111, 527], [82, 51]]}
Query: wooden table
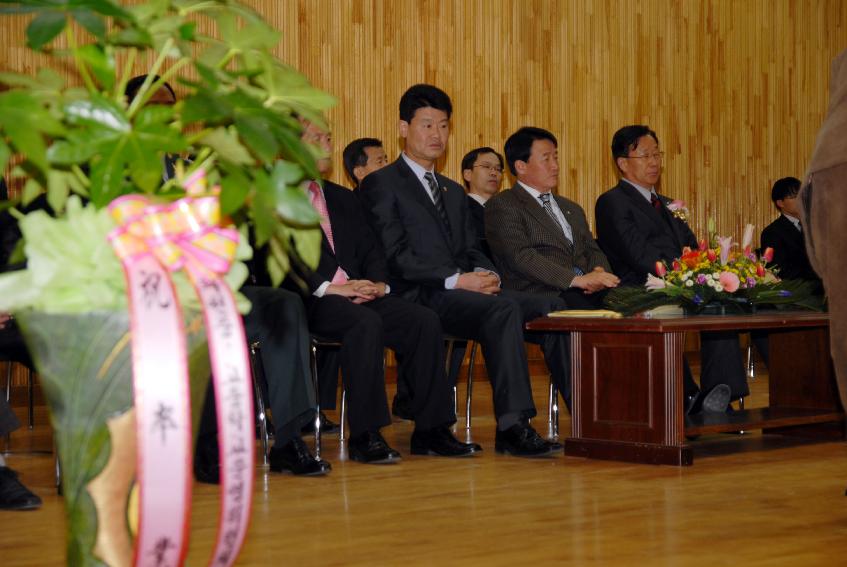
{"points": [[627, 384]]}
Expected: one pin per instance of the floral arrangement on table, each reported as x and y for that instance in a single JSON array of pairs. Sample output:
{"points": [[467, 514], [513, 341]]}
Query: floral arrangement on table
{"points": [[718, 276], [121, 295]]}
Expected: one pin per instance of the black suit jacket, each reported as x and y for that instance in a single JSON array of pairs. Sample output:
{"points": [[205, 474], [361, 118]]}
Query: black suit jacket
{"points": [[419, 250], [789, 250], [634, 235], [357, 250], [477, 213]]}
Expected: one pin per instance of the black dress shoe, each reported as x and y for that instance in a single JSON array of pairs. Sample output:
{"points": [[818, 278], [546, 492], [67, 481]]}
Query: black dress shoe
{"points": [[327, 426], [440, 442], [295, 458], [13, 494], [521, 440], [401, 407], [715, 401], [371, 448]]}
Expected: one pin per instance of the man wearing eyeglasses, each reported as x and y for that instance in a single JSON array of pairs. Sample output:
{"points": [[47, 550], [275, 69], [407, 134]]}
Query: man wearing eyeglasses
{"points": [[482, 173], [636, 229]]}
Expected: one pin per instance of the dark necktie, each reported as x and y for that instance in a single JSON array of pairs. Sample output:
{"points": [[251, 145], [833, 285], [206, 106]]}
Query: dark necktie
{"points": [[545, 202], [437, 199], [657, 204]]}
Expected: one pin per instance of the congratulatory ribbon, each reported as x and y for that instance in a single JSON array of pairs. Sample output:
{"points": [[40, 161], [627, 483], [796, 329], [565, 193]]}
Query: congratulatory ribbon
{"points": [[152, 240]]}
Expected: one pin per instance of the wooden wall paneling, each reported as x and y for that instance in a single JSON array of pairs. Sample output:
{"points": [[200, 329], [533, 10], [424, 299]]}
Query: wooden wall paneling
{"points": [[735, 89]]}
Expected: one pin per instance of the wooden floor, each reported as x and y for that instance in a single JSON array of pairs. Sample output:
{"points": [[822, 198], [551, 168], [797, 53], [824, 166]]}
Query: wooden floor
{"points": [[748, 500]]}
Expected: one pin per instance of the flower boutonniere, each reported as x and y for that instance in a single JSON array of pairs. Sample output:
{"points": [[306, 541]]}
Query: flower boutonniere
{"points": [[679, 210]]}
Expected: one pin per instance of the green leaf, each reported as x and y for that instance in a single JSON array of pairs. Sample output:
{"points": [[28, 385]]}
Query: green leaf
{"points": [[44, 27], [132, 37], [5, 154], [91, 22], [294, 207], [187, 31], [32, 189], [206, 107], [107, 176], [97, 112], [253, 130], [57, 190], [25, 137], [235, 187], [101, 63], [228, 147]]}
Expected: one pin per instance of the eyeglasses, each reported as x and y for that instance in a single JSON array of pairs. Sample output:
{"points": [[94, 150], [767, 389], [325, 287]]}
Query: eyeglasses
{"points": [[496, 168], [658, 156]]}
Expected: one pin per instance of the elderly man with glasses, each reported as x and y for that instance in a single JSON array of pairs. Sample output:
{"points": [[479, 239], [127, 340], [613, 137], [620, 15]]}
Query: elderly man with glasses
{"points": [[636, 229]]}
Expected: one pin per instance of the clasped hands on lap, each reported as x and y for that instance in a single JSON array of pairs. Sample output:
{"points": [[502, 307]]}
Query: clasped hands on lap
{"points": [[358, 291], [596, 280], [480, 282]]}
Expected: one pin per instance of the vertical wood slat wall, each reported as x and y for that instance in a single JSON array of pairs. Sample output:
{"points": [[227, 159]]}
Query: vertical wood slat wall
{"points": [[735, 89]]}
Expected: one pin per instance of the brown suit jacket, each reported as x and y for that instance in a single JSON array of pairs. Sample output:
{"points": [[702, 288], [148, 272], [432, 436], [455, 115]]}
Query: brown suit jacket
{"points": [[530, 249]]}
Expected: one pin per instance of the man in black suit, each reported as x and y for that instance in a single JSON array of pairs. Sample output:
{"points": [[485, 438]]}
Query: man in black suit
{"points": [[542, 242], [361, 157], [482, 172], [350, 301], [635, 229], [785, 234], [423, 222]]}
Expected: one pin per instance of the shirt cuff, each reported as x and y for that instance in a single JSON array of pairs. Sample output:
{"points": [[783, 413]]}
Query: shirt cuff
{"points": [[387, 289], [321, 291], [450, 283]]}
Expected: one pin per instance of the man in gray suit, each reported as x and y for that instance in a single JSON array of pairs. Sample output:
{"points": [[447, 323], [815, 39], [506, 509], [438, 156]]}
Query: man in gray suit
{"points": [[541, 242]]}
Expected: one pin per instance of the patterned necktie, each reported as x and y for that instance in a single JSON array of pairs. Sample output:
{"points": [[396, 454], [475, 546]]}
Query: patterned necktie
{"points": [[566, 228], [657, 204], [437, 199], [316, 196]]}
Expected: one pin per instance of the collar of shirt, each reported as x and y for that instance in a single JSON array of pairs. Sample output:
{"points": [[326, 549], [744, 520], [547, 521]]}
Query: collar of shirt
{"points": [[533, 192], [794, 221], [418, 170], [646, 193], [478, 199]]}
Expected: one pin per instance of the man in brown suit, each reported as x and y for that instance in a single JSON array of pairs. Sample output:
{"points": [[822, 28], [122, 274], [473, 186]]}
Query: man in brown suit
{"points": [[824, 208], [541, 242]]}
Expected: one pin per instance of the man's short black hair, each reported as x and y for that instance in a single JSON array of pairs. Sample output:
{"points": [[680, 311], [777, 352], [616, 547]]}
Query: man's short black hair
{"points": [[354, 155], [785, 188], [626, 139], [135, 83], [518, 146], [423, 96], [470, 159]]}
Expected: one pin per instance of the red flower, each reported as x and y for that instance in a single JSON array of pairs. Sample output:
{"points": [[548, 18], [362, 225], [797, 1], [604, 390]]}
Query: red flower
{"points": [[767, 255], [702, 245], [711, 255], [677, 267], [691, 258], [661, 270], [760, 270]]}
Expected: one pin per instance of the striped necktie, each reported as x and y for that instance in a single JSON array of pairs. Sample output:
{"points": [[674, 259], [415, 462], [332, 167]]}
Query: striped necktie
{"points": [[437, 199]]}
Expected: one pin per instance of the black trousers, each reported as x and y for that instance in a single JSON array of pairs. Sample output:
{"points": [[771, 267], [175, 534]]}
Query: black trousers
{"points": [[497, 322], [12, 349], [364, 330], [277, 320]]}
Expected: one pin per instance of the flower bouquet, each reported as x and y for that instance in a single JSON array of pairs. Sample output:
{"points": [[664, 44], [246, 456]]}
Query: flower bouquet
{"points": [[718, 276], [135, 272]]}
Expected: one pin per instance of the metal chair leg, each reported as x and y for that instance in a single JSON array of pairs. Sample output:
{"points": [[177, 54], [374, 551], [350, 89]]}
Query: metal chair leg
{"points": [[261, 412], [447, 360], [553, 409], [342, 426], [314, 360], [471, 361], [751, 362]]}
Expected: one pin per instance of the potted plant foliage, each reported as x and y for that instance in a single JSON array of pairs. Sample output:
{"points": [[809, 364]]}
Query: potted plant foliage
{"points": [[122, 236]]}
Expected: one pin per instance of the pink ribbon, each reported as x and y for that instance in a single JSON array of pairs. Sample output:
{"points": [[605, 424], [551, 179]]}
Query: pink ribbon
{"points": [[151, 241]]}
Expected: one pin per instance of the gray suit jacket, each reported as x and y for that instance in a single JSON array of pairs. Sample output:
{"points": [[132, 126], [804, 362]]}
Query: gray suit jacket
{"points": [[530, 249]]}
